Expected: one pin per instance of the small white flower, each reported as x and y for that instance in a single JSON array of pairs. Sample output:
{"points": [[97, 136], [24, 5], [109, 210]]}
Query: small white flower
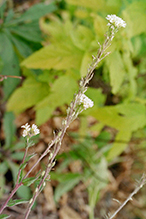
{"points": [[25, 133], [30, 131], [35, 130], [115, 21], [26, 126], [26, 129], [87, 103]]}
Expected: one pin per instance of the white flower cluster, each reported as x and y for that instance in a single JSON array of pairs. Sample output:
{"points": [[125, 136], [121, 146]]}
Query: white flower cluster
{"points": [[115, 21], [30, 131], [87, 103]]}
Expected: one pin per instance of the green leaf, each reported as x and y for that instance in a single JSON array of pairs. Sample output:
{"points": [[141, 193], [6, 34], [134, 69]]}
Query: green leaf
{"points": [[87, 58], [70, 180], [102, 139], [57, 97], [121, 142], [3, 6], [23, 165], [1, 64], [132, 73], [11, 68], [57, 56], [135, 17], [97, 185], [116, 70], [62, 53], [23, 47], [28, 95], [30, 156], [24, 192], [29, 181], [3, 167], [17, 155], [9, 16], [37, 11], [126, 118], [16, 202], [82, 37], [98, 5], [2, 185], [6, 48], [9, 128], [10, 64], [30, 32], [96, 96], [4, 216], [100, 26], [43, 114]]}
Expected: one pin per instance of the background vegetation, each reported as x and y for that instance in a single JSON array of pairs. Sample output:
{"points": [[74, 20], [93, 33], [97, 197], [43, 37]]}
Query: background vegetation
{"points": [[51, 46]]}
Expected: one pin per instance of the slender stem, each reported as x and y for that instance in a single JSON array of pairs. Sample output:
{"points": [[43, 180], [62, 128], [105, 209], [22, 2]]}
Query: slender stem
{"points": [[41, 157], [17, 185], [10, 196], [141, 184], [2, 77], [25, 154], [48, 169]]}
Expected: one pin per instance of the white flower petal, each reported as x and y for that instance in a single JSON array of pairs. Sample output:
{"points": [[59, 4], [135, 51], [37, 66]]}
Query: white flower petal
{"points": [[116, 21], [87, 103]]}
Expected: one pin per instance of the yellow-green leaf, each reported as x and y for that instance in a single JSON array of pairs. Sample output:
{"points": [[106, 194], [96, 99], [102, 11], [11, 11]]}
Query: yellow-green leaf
{"points": [[57, 56], [116, 69], [62, 92], [100, 26], [135, 17], [82, 37], [27, 96], [87, 58], [125, 118]]}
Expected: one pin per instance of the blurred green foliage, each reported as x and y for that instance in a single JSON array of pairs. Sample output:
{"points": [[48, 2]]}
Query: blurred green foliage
{"points": [[70, 43], [20, 36], [93, 169], [52, 73]]}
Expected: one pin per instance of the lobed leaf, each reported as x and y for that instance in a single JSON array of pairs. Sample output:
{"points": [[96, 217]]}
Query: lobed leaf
{"points": [[25, 31], [135, 16], [62, 92], [125, 118], [28, 95], [57, 56], [37, 11]]}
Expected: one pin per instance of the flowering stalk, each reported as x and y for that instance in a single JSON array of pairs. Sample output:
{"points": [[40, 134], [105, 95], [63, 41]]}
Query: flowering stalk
{"points": [[80, 102], [136, 190], [28, 132]]}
